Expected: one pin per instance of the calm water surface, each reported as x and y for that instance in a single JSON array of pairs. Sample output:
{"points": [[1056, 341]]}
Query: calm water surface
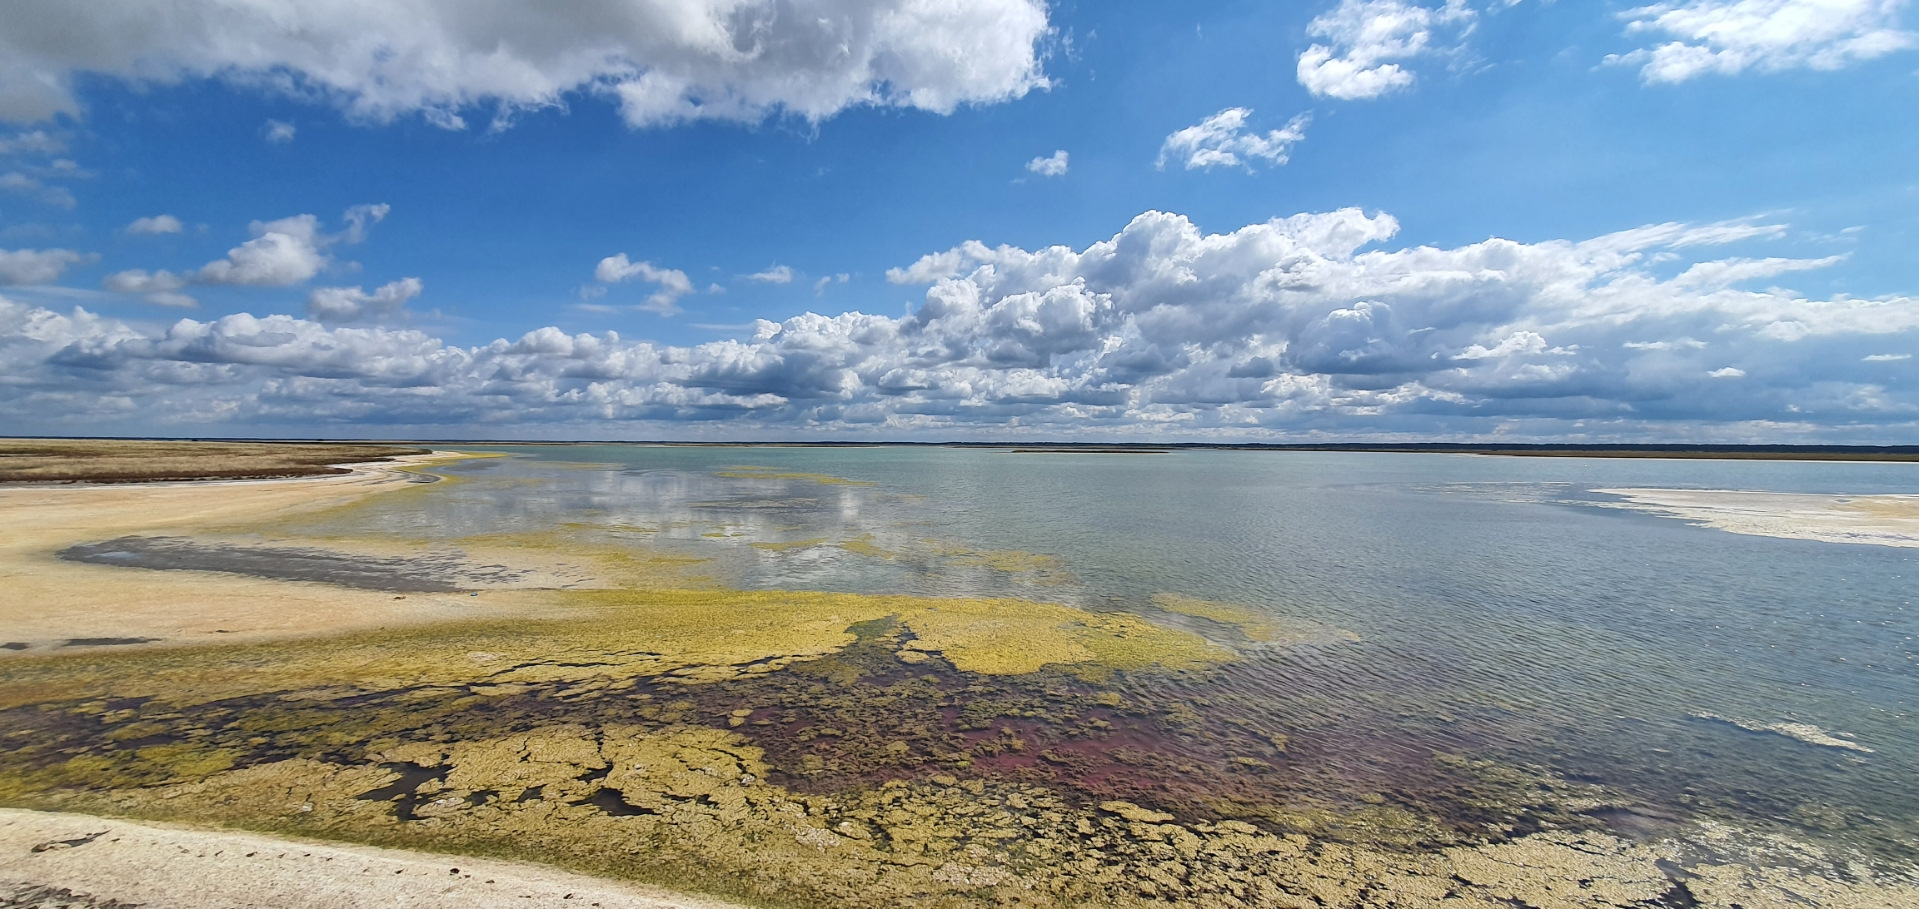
{"points": [[1502, 611]]}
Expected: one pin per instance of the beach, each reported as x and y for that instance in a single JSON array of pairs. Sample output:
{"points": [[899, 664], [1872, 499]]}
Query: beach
{"points": [[85, 861]]}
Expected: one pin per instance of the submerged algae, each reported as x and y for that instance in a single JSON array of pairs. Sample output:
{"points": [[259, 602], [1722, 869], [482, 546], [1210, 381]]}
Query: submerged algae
{"points": [[1258, 627], [751, 472], [998, 638]]}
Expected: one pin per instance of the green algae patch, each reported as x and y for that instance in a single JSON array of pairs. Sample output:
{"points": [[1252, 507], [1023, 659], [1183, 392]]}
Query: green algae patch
{"points": [[1258, 627], [581, 637], [1013, 637], [749, 472], [863, 545]]}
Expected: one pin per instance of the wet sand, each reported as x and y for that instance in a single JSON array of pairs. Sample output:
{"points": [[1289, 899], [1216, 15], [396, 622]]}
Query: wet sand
{"points": [[100, 862], [60, 604], [1880, 520]]}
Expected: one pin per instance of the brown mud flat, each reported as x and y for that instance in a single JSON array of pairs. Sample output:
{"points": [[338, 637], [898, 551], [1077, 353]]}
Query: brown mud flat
{"points": [[144, 461], [430, 572]]}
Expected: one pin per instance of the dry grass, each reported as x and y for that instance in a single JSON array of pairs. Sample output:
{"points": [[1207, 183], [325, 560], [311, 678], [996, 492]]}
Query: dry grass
{"points": [[141, 461]]}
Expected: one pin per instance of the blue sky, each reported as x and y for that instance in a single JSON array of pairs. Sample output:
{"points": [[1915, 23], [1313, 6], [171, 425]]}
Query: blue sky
{"points": [[1691, 220]]}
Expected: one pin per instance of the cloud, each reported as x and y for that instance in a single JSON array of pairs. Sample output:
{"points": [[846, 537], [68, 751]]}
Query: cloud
{"points": [[287, 251], [36, 266], [661, 61], [1728, 37], [171, 298], [1306, 326], [819, 287], [140, 281], [161, 287], [158, 224], [673, 283], [36, 142], [359, 219], [33, 188], [282, 253], [1223, 140], [1366, 41], [1049, 167], [1885, 358], [1727, 272], [279, 132], [352, 304], [778, 274]]}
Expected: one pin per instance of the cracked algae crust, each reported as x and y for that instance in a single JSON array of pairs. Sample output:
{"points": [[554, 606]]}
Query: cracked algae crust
{"points": [[593, 635], [692, 807]]}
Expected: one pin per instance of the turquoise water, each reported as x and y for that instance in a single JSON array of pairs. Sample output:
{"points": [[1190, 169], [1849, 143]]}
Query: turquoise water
{"points": [[1501, 612]]}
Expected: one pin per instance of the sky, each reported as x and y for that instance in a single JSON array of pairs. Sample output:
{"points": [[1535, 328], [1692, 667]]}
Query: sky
{"points": [[925, 220]]}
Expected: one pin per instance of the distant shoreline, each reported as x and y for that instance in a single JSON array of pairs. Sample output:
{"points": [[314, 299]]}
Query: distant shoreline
{"points": [[1895, 453]]}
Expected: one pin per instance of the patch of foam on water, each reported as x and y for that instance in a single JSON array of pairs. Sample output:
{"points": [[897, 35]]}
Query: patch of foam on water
{"points": [[1805, 732]]}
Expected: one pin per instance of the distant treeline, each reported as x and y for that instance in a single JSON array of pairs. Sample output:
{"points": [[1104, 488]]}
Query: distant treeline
{"points": [[1543, 450]]}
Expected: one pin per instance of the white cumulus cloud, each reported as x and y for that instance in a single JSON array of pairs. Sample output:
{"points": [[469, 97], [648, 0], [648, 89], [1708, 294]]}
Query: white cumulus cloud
{"points": [[1049, 167], [352, 304], [158, 224], [1363, 44], [778, 274], [1728, 37], [1223, 140], [282, 253], [671, 282], [1310, 324], [279, 132], [661, 61], [36, 266]]}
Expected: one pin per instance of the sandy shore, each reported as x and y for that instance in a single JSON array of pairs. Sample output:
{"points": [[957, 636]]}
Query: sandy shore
{"points": [[1880, 520], [99, 860], [51, 601]]}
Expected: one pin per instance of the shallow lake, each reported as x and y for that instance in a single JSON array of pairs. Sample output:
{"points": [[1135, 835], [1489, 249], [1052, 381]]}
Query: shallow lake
{"points": [[1498, 608], [1426, 650]]}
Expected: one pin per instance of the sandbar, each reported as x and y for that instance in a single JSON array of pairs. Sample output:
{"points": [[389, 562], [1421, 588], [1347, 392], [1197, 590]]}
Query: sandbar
{"points": [[1879, 520], [54, 603]]}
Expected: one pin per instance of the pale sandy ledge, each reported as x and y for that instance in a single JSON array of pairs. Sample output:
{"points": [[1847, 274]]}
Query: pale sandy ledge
{"points": [[51, 602], [101, 861], [1878, 520]]}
